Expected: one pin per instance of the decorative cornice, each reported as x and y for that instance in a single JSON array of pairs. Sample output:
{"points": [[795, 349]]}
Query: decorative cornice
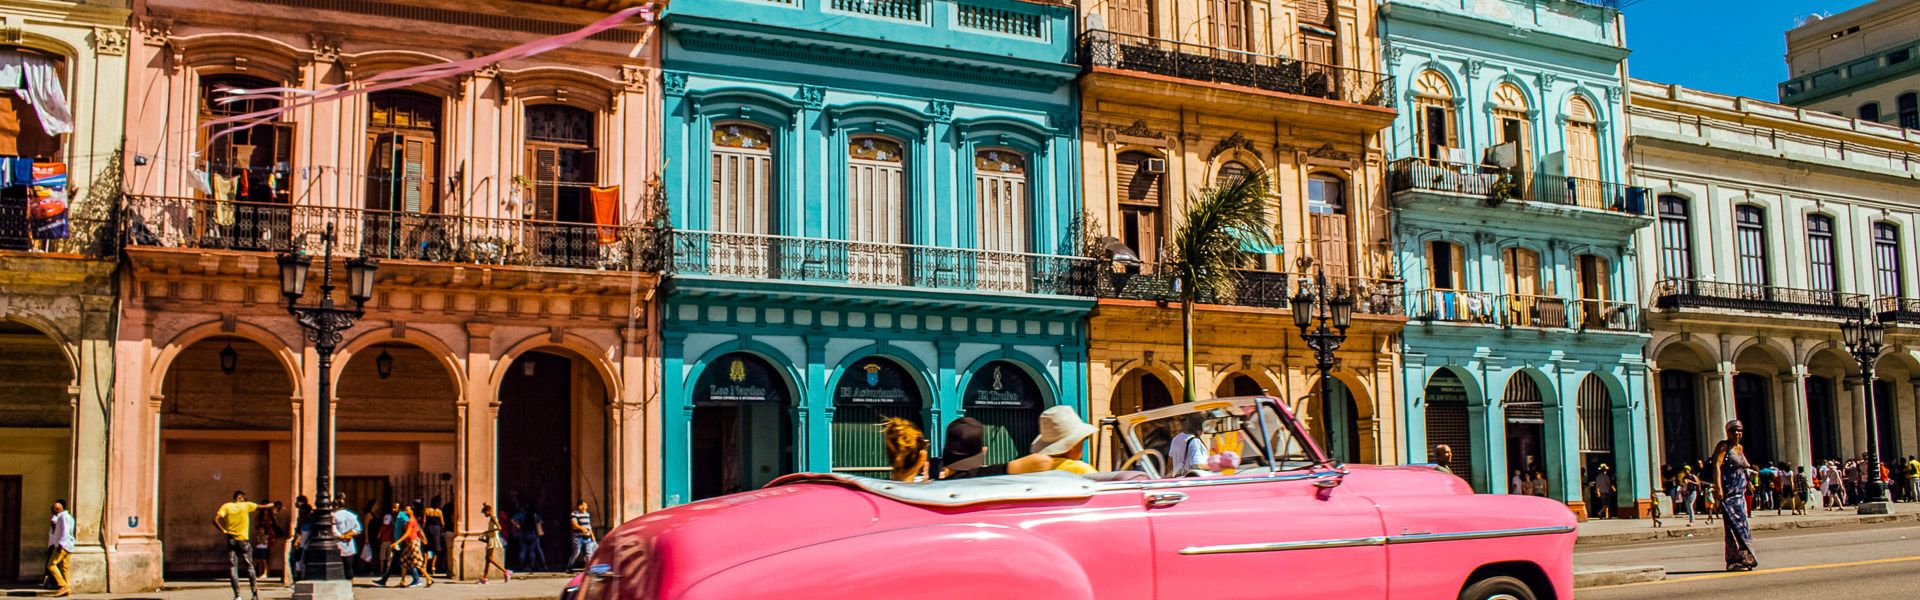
{"points": [[1235, 141], [673, 83], [811, 96], [1138, 129], [633, 78], [1327, 151], [325, 46], [109, 41], [940, 110], [695, 35]]}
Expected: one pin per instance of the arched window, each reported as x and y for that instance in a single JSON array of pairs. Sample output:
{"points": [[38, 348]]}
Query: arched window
{"points": [[1909, 106], [1870, 112], [1000, 199], [403, 147], [1595, 405], [1327, 208], [1583, 154], [1887, 277], [34, 115], [1230, 172], [560, 161], [1139, 176], [252, 164], [876, 210], [742, 179], [1750, 245], [1434, 116], [1513, 125], [1824, 274], [1676, 239]]}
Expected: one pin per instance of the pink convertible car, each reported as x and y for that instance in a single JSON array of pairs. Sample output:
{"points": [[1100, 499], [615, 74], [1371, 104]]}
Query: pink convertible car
{"points": [[1284, 522]]}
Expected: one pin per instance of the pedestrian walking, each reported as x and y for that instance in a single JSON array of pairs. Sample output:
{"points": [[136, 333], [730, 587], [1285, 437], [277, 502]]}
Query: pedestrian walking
{"points": [[346, 530], [1802, 490], [409, 553], [234, 520], [60, 548], [1603, 491], [584, 542], [394, 542], [532, 529], [495, 544], [434, 523], [1913, 479], [1689, 491], [302, 533], [367, 551], [1732, 470]]}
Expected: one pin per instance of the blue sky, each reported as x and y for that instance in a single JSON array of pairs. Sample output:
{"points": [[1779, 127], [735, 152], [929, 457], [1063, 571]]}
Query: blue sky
{"points": [[1726, 46]]}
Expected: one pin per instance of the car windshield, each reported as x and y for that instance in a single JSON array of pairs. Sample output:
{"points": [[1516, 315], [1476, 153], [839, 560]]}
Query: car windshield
{"points": [[1225, 436]]}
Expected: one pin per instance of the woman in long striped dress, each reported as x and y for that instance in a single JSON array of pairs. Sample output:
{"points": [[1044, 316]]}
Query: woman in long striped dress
{"points": [[1732, 469]]}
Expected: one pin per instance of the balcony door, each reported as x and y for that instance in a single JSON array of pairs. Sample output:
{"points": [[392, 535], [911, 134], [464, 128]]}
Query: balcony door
{"points": [[1595, 298], [249, 170], [1888, 280], [560, 158], [742, 212], [403, 184], [1676, 239], [1433, 103], [1750, 251], [876, 211], [1514, 129], [1525, 305], [1000, 212], [1133, 18], [1327, 215], [1583, 155], [1142, 206], [1230, 27], [1823, 274]]}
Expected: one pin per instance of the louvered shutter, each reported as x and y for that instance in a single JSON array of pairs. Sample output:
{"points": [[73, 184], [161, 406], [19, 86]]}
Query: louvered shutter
{"points": [[740, 191], [1596, 418], [544, 166], [1138, 185], [281, 161], [1133, 17], [1315, 12], [1330, 235], [412, 173]]}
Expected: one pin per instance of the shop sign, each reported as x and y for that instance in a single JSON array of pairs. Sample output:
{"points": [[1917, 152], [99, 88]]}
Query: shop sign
{"points": [[1001, 385], [738, 378], [876, 382]]}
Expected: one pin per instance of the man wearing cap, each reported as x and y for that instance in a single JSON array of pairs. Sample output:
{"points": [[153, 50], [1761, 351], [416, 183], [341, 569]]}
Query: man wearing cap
{"points": [[1058, 448], [965, 454]]}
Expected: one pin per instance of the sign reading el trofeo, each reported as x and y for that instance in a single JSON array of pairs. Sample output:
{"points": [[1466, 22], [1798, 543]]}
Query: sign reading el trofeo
{"points": [[875, 382], [1001, 385], [738, 378]]}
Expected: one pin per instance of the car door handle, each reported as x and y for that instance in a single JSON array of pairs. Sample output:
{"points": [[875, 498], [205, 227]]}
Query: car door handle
{"points": [[1159, 499]]}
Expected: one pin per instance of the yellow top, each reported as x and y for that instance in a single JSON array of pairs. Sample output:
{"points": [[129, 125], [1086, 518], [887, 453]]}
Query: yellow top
{"points": [[1072, 466], [236, 519]]}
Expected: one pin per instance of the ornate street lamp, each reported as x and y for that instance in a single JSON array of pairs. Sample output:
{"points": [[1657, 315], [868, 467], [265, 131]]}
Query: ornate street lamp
{"points": [[323, 324], [1332, 307], [1865, 336]]}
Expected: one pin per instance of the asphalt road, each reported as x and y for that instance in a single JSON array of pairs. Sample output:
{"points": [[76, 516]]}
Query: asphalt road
{"points": [[1854, 562]]}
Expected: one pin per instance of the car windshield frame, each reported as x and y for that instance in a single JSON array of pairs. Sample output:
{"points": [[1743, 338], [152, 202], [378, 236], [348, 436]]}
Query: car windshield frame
{"points": [[1129, 430]]}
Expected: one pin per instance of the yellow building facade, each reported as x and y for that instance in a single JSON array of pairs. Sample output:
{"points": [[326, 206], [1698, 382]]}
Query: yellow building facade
{"points": [[1181, 94]]}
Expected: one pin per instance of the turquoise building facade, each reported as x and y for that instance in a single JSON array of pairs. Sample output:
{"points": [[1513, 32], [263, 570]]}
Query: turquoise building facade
{"points": [[1523, 349], [875, 207]]}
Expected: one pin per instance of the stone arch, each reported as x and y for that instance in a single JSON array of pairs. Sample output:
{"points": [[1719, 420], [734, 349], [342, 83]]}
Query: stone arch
{"points": [[1166, 377], [442, 352], [48, 329], [923, 376], [168, 352], [595, 355], [1355, 413], [1259, 376], [240, 54], [1702, 351], [570, 86], [782, 364], [375, 62], [1755, 349], [1049, 384]]}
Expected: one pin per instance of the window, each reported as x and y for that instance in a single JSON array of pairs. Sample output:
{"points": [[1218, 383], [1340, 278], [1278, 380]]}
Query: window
{"points": [[1824, 275], [32, 119], [560, 161], [1327, 212], [1133, 17], [252, 164], [1583, 154], [403, 135], [1317, 41], [1595, 291], [1230, 27], [1909, 105], [1000, 199], [1870, 112], [1446, 266], [1676, 238], [742, 179], [1512, 126], [1526, 303], [1887, 280], [1433, 105], [1230, 172], [1750, 245], [1140, 203], [876, 190], [1523, 271]]}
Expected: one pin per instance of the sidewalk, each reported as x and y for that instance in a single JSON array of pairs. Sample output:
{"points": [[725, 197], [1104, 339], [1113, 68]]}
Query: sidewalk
{"points": [[536, 586], [1615, 531]]}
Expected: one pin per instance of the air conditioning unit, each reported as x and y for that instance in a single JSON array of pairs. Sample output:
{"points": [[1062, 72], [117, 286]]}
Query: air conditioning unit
{"points": [[1157, 165]]}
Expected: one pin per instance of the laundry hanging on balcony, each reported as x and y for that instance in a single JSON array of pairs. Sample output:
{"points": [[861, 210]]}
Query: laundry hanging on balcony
{"points": [[47, 205], [1254, 242], [606, 212], [36, 79]]}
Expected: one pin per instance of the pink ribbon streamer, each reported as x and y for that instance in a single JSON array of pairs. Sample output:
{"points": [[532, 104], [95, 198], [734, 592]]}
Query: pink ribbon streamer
{"points": [[409, 76]]}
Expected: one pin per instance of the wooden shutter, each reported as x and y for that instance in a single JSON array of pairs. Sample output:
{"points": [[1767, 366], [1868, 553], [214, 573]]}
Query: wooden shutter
{"points": [[1330, 237], [1317, 49], [741, 190], [1133, 17], [412, 173], [1000, 207], [1230, 24], [543, 166], [1316, 12], [380, 172], [1137, 185], [281, 158]]}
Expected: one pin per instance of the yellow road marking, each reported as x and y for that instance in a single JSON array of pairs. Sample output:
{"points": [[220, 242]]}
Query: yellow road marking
{"points": [[1862, 563]]}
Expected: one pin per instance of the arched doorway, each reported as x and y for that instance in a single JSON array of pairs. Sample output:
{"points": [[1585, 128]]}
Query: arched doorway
{"points": [[1594, 404], [551, 444], [1239, 385], [226, 424], [1753, 406], [1448, 422], [1007, 400], [1526, 420], [869, 392], [1823, 431], [395, 425], [1334, 420], [742, 423], [36, 440], [1140, 390]]}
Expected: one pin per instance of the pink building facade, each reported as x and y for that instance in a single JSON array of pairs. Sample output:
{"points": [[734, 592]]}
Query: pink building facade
{"points": [[507, 357]]}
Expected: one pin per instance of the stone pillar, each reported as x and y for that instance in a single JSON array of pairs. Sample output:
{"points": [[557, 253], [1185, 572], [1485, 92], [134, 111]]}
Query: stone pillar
{"points": [[1851, 412], [630, 436], [473, 471], [1793, 387], [1719, 406]]}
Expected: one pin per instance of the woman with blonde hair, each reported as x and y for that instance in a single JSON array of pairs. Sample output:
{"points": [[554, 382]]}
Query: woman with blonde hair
{"points": [[906, 449], [494, 545]]}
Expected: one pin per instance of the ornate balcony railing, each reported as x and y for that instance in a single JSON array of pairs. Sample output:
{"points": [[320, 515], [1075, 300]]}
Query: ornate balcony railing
{"points": [[1455, 306], [1263, 289], [265, 227], [1528, 310], [1681, 294], [1897, 310], [1606, 315], [790, 258], [905, 10], [87, 234], [1497, 183], [1234, 67]]}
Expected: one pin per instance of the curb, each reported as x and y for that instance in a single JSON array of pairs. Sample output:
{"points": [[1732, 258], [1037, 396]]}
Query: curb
{"points": [[1714, 531], [1591, 577]]}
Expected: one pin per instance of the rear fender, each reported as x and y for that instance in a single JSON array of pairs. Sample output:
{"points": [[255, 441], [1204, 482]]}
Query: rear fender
{"points": [[960, 562]]}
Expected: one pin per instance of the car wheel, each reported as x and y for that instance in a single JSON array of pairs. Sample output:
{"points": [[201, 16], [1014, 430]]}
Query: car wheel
{"points": [[1497, 588]]}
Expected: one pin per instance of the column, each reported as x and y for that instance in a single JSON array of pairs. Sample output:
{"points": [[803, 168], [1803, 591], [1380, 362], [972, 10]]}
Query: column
{"points": [[1719, 406], [477, 411], [814, 418], [1852, 413], [1793, 397]]}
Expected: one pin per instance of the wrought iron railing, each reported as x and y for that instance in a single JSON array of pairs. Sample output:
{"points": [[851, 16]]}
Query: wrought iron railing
{"points": [[1693, 293], [1265, 289], [1606, 315], [1114, 50], [1897, 310], [1497, 183], [267, 227], [791, 258], [90, 234], [1529, 310], [1456, 306]]}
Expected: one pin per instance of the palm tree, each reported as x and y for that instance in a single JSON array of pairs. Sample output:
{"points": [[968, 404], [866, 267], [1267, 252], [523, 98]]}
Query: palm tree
{"points": [[1207, 254]]}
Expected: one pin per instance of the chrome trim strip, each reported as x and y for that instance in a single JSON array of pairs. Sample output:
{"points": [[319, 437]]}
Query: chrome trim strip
{"points": [[1187, 482], [1411, 538]]}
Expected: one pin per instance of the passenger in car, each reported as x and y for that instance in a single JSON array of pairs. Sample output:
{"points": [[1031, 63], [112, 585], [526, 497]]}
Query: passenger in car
{"points": [[964, 456], [1060, 446], [906, 449]]}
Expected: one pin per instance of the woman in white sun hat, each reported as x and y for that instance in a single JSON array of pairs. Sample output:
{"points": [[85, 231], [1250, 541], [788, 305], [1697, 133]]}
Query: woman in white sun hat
{"points": [[1059, 447]]}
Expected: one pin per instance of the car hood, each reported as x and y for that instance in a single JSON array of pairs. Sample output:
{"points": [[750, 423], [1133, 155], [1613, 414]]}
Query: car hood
{"points": [[677, 547]]}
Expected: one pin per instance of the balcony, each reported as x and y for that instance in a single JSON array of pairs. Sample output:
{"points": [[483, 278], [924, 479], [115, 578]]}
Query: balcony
{"points": [[167, 222], [814, 260], [1523, 310], [1904, 311], [1606, 315], [1681, 294], [89, 236], [1126, 52], [1256, 289], [1497, 185]]}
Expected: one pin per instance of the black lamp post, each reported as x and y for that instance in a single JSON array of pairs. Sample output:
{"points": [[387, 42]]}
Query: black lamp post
{"points": [[1865, 337], [1323, 314], [323, 324]]}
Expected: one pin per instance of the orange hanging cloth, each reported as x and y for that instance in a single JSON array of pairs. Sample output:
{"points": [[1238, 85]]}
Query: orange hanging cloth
{"points": [[606, 212]]}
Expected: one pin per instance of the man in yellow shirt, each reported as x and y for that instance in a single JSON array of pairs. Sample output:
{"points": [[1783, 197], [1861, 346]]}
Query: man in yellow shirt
{"points": [[235, 521]]}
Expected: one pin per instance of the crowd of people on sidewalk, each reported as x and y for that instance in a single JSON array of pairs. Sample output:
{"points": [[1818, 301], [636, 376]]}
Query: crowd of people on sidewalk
{"points": [[1785, 488]]}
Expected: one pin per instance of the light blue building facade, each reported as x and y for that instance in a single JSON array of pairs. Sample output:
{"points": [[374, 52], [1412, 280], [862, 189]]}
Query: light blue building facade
{"points": [[1523, 350], [875, 212]]}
